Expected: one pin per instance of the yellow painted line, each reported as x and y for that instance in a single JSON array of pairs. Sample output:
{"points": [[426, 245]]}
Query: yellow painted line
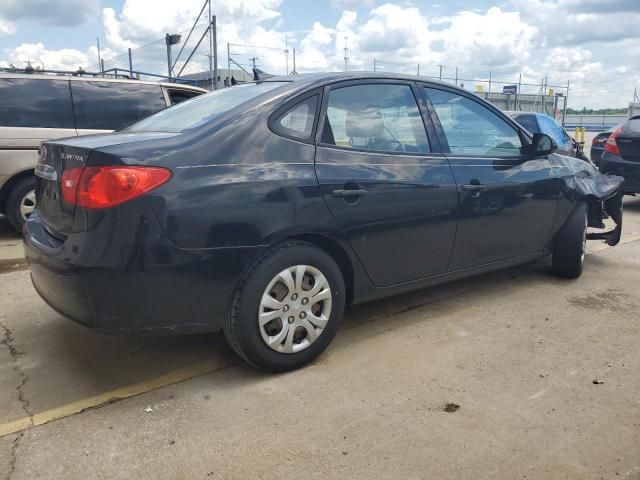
{"points": [[170, 378], [112, 396]]}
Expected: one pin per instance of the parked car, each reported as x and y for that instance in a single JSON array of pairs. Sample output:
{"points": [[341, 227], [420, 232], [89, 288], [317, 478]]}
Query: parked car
{"points": [[540, 123], [37, 107], [598, 143], [622, 154], [263, 209]]}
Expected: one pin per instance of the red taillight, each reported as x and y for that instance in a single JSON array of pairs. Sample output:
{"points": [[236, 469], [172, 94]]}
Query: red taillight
{"points": [[611, 146], [108, 186]]}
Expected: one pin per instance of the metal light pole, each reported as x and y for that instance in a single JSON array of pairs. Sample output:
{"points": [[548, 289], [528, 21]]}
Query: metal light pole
{"points": [[214, 30], [346, 54], [99, 59], [294, 72], [171, 40], [229, 64], [210, 44], [286, 54]]}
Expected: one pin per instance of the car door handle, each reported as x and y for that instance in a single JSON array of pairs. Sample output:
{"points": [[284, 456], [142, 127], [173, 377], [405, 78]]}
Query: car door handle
{"points": [[346, 193]]}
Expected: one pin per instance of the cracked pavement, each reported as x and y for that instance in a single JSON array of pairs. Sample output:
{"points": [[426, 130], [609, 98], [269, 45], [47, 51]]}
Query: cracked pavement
{"points": [[518, 351]]}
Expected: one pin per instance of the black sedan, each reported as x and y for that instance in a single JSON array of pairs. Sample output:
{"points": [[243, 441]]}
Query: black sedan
{"points": [[598, 143], [622, 154], [263, 209]]}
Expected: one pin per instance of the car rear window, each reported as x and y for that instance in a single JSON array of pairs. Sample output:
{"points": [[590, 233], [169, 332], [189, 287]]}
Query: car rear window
{"points": [[177, 95], [199, 110], [35, 103], [114, 105]]}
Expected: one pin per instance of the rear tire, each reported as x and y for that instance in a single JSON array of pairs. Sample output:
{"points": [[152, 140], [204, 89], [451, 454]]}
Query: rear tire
{"points": [[570, 245], [21, 202], [302, 325]]}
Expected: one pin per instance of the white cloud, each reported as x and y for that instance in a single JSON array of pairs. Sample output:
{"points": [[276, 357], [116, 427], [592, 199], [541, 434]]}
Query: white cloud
{"points": [[6, 27], [50, 12], [592, 43], [39, 56], [574, 22]]}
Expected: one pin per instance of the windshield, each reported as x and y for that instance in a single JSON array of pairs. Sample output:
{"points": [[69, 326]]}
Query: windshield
{"points": [[202, 109]]}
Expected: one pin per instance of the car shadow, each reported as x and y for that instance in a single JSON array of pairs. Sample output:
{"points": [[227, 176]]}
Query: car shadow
{"points": [[66, 362]]}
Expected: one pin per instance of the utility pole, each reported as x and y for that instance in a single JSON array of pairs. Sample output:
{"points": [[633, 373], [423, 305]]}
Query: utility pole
{"points": [[374, 64], [253, 61], [286, 54], [228, 64], [441, 68], [346, 54], [489, 81], [456, 76], [130, 64], [418, 70]]}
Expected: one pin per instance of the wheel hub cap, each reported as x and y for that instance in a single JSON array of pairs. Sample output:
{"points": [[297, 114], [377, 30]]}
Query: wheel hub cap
{"points": [[295, 309], [28, 204]]}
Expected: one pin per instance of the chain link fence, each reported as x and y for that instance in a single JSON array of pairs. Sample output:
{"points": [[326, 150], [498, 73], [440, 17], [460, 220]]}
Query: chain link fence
{"points": [[190, 62], [188, 57]]}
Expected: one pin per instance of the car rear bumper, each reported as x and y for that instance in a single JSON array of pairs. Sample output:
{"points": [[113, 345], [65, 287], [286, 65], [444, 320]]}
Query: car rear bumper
{"points": [[175, 292], [615, 165]]}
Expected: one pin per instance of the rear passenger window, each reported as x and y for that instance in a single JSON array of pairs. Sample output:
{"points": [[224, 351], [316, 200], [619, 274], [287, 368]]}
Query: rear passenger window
{"points": [[178, 96], [114, 105], [380, 117], [35, 103], [297, 122]]}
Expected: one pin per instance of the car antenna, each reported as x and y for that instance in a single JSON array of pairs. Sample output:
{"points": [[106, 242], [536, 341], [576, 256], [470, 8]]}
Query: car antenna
{"points": [[260, 75]]}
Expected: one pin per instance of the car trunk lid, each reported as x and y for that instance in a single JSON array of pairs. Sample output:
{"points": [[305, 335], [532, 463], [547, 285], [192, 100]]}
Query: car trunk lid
{"points": [[56, 213], [61, 159], [628, 140]]}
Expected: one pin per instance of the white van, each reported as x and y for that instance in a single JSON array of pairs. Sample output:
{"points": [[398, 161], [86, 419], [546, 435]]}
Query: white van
{"points": [[38, 107]]}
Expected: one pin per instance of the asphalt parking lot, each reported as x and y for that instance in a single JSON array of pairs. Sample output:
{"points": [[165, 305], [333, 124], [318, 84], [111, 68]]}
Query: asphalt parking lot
{"points": [[515, 374]]}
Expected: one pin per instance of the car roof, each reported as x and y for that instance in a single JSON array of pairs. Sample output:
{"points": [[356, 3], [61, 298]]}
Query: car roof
{"points": [[317, 79], [41, 76]]}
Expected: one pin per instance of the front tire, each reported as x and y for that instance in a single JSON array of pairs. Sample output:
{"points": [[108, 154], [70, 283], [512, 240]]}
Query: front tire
{"points": [[570, 245], [21, 202], [287, 308]]}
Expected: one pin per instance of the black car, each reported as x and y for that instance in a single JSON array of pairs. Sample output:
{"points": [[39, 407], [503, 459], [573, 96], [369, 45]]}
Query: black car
{"points": [[540, 123], [622, 154], [598, 143], [263, 209]]}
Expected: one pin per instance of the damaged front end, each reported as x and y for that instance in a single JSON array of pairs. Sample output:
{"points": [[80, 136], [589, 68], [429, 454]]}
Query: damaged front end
{"points": [[603, 194]]}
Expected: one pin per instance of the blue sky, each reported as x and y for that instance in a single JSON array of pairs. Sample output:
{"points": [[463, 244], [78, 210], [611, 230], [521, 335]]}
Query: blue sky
{"points": [[594, 44]]}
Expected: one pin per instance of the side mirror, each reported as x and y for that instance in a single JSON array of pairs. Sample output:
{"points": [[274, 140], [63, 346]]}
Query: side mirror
{"points": [[542, 145]]}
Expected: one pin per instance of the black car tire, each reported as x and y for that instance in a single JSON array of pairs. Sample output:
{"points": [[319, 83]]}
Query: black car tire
{"points": [[241, 325], [569, 249], [14, 200]]}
